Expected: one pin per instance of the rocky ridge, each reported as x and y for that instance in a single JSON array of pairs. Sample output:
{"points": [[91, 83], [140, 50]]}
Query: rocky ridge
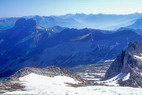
{"points": [[128, 62], [13, 83]]}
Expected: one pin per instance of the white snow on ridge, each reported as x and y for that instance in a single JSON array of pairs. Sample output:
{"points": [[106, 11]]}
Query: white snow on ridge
{"points": [[114, 81], [122, 76], [109, 60], [126, 77], [138, 57], [43, 85]]}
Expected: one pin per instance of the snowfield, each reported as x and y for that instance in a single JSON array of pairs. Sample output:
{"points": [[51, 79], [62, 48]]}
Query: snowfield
{"points": [[43, 85]]}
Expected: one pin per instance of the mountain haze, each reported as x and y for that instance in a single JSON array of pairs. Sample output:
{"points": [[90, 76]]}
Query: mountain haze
{"points": [[95, 21]]}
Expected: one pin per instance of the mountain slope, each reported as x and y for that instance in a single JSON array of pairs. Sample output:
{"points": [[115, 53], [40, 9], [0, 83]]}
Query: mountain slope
{"points": [[80, 47], [128, 62], [21, 42], [136, 25]]}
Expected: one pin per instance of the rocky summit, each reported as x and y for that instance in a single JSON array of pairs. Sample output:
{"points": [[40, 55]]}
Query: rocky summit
{"points": [[129, 63]]}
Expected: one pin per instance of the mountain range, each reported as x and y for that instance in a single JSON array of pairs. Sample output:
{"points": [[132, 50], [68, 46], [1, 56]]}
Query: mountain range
{"points": [[94, 21], [58, 55]]}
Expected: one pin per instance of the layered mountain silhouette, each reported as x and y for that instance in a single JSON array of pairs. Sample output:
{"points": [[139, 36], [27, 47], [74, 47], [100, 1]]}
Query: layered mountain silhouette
{"points": [[29, 45], [136, 25], [95, 21]]}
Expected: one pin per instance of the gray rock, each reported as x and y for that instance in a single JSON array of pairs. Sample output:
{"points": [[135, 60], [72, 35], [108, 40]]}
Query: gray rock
{"points": [[125, 63]]}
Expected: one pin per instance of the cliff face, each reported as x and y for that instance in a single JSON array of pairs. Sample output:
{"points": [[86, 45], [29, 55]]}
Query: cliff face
{"points": [[115, 67], [129, 61]]}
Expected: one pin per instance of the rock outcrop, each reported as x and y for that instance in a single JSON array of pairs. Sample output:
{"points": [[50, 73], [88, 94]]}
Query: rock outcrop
{"points": [[129, 61]]}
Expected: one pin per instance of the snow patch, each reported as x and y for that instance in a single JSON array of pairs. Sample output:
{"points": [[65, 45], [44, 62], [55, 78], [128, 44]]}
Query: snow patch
{"points": [[122, 76], [106, 61], [114, 81], [138, 57], [33, 81], [126, 77], [44, 85]]}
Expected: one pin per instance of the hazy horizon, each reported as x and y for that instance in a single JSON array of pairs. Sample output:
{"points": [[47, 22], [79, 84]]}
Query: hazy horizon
{"points": [[72, 14], [18, 8]]}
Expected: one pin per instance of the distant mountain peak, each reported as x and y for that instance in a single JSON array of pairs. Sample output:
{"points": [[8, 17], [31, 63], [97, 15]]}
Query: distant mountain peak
{"points": [[25, 23]]}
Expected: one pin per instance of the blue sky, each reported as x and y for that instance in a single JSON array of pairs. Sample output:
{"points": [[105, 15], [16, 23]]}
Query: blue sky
{"points": [[12, 8]]}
